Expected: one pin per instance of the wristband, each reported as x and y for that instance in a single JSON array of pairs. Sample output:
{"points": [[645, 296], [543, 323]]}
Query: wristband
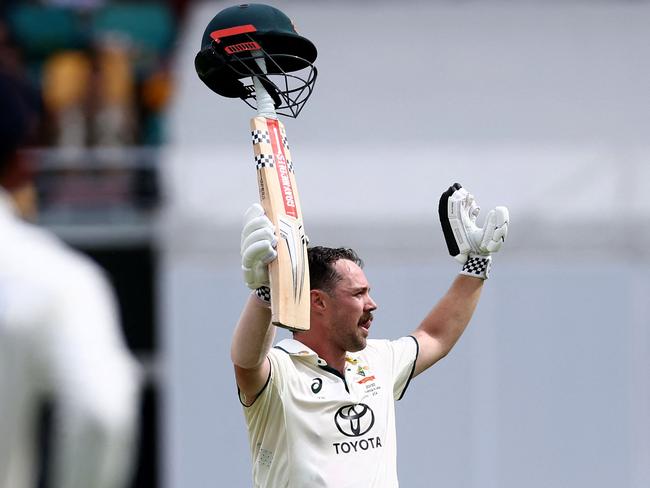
{"points": [[263, 294], [477, 266]]}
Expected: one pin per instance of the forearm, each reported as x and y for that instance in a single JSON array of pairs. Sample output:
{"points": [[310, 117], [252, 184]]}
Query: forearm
{"points": [[253, 335], [448, 319]]}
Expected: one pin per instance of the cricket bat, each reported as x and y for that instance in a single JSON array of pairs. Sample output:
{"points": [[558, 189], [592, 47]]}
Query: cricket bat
{"points": [[289, 273]]}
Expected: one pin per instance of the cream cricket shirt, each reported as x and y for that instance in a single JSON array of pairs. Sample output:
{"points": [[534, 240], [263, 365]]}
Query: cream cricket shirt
{"points": [[60, 338], [310, 427]]}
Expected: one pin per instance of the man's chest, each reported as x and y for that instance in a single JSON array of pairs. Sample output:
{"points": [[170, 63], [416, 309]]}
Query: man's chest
{"points": [[344, 413]]}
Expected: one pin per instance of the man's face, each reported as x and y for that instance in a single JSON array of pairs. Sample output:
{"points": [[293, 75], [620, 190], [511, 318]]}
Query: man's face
{"points": [[351, 313]]}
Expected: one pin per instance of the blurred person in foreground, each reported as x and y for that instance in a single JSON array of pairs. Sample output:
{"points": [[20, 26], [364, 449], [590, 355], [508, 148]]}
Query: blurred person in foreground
{"points": [[60, 338]]}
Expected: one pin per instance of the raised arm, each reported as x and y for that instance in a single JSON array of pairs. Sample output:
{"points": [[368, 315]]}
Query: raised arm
{"points": [[254, 333], [471, 246], [251, 343], [446, 322]]}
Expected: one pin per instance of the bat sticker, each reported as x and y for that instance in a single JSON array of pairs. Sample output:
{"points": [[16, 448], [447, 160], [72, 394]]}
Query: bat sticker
{"points": [[282, 169], [287, 228]]}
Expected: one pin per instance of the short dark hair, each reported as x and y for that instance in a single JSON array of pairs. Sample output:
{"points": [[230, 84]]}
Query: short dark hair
{"points": [[322, 275], [19, 109]]}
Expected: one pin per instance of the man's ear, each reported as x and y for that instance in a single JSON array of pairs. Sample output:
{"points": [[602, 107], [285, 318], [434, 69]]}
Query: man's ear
{"points": [[318, 300]]}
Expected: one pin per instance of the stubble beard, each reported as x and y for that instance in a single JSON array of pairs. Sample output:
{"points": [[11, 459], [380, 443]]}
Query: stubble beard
{"points": [[348, 333], [352, 340]]}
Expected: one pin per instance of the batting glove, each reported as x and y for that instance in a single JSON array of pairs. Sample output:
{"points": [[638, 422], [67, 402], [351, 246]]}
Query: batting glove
{"points": [[469, 244], [258, 244]]}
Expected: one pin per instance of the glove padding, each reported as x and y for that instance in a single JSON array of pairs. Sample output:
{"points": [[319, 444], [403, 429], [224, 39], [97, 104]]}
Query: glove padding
{"points": [[258, 244], [467, 243]]}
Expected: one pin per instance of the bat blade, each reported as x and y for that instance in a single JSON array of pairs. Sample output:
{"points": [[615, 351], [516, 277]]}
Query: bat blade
{"points": [[289, 273]]}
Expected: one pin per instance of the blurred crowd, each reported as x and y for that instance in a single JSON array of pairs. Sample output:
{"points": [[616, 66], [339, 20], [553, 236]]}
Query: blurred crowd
{"points": [[101, 66]]}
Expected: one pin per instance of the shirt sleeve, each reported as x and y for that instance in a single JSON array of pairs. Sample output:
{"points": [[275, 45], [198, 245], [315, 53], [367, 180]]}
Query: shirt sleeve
{"points": [[94, 379], [404, 354], [278, 364]]}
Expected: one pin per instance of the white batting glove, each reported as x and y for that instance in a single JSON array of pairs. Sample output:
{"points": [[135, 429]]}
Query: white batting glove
{"points": [[469, 244], [258, 244]]}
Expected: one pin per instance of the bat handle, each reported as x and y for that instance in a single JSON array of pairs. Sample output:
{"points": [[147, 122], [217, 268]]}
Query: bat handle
{"points": [[265, 105]]}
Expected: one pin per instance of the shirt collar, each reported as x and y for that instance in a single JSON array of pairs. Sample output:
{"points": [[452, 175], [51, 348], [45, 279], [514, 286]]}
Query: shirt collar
{"points": [[297, 349]]}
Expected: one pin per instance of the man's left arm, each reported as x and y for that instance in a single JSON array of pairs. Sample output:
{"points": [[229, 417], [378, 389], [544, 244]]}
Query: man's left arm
{"points": [[472, 246], [446, 322]]}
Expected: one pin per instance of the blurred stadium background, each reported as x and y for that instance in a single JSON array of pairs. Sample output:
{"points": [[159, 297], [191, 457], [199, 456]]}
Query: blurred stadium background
{"points": [[539, 105]]}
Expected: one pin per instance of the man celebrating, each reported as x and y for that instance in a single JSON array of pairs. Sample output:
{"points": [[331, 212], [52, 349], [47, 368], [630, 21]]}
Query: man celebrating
{"points": [[320, 407]]}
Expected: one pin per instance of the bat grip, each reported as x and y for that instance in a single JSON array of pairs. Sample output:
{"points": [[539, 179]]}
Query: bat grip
{"points": [[265, 105]]}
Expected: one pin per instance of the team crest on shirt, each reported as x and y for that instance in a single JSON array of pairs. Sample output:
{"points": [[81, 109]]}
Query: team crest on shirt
{"points": [[363, 375], [365, 378]]}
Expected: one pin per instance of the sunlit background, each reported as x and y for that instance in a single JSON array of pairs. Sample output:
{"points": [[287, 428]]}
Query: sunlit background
{"points": [[543, 106]]}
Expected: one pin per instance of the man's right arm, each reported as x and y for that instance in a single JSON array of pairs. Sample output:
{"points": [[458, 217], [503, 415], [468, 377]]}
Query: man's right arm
{"points": [[254, 333], [251, 343]]}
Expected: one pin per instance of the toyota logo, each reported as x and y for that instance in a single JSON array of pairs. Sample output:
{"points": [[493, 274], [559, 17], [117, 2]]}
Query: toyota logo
{"points": [[354, 420]]}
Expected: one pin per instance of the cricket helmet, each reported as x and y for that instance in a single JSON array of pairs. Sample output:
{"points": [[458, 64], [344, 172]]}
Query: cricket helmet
{"points": [[237, 37]]}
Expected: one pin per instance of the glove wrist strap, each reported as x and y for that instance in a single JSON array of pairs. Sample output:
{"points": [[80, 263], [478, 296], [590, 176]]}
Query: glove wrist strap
{"points": [[477, 266], [263, 295]]}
